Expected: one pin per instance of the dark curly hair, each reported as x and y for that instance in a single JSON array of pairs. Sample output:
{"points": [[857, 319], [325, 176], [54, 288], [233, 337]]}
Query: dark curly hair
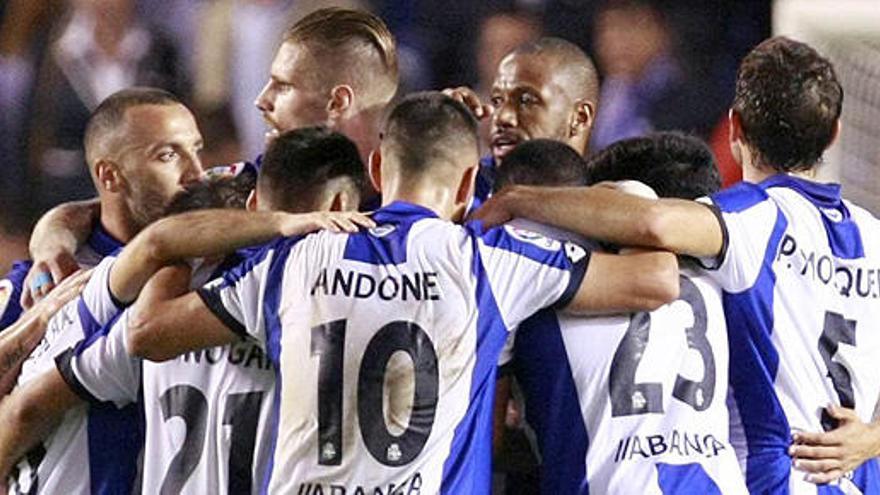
{"points": [[673, 164], [789, 101]]}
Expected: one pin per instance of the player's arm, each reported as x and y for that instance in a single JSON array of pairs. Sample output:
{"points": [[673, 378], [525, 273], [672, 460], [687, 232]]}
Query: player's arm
{"points": [[634, 280], [168, 320], [212, 233], [681, 226], [829, 455], [54, 241], [19, 340], [30, 414]]}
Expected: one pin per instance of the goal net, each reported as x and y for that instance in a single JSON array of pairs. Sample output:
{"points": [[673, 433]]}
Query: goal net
{"points": [[848, 33]]}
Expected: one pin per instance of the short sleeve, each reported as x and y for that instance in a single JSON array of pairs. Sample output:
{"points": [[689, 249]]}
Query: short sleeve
{"points": [[749, 220], [101, 369], [96, 296], [527, 271], [236, 296]]}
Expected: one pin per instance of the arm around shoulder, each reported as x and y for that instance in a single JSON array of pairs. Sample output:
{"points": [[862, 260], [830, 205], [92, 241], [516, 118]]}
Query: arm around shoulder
{"points": [[639, 280]]}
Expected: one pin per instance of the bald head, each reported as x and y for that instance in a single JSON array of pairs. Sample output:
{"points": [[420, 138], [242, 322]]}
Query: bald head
{"points": [[543, 89], [569, 64]]}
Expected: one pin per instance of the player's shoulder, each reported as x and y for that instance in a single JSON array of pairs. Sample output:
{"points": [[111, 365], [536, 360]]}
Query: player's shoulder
{"points": [[740, 197], [534, 241], [862, 216], [246, 261]]}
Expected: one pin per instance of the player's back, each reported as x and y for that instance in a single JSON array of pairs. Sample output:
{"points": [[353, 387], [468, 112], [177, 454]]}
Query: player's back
{"points": [[206, 411], [631, 404], [215, 404], [387, 342], [801, 288]]}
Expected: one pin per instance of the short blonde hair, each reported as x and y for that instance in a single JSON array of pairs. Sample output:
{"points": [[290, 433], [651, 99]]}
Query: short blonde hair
{"points": [[356, 44]]}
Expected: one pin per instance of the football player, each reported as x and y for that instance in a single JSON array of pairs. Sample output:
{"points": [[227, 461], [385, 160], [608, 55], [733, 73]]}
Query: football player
{"points": [[335, 67], [543, 89], [625, 404], [223, 394], [794, 259], [142, 148], [386, 340]]}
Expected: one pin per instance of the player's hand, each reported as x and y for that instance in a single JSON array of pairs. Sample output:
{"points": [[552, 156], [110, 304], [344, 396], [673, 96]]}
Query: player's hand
{"points": [[470, 99], [497, 209], [348, 221], [47, 271], [67, 291], [829, 455]]}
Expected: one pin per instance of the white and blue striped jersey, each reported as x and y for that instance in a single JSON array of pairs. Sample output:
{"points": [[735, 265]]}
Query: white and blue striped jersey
{"points": [[801, 286], [386, 343], [206, 412], [93, 450], [631, 404]]}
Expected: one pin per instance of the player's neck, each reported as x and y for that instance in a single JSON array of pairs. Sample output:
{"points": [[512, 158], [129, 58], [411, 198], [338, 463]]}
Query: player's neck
{"points": [[759, 173], [117, 221], [439, 200]]}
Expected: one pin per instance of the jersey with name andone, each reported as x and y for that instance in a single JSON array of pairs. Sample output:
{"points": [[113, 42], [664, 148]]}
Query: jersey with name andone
{"points": [[801, 286], [386, 343], [631, 404], [206, 412], [93, 450]]}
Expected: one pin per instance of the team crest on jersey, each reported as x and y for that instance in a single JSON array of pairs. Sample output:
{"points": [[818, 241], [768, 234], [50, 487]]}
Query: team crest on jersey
{"points": [[382, 230], [574, 252], [5, 294], [832, 214], [533, 238], [230, 170]]}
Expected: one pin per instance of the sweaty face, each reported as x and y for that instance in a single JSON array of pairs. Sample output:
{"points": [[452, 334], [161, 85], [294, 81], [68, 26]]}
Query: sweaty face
{"points": [[159, 155], [292, 98], [528, 102]]}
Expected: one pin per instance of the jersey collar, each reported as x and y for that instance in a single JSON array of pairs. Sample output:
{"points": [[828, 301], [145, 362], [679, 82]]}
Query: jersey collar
{"points": [[102, 242], [398, 211], [822, 195]]}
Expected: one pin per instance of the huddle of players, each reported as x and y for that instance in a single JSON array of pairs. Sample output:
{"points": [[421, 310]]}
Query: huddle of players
{"points": [[365, 361]]}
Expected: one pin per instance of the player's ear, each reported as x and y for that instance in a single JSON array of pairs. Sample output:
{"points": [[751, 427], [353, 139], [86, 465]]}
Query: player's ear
{"points": [[252, 201], [375, 169], [582, 116], [466, 185], [108, 175], [837, 128], [735, 135], [341, 101]]}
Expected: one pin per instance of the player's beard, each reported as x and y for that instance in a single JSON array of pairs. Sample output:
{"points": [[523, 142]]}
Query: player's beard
{"points": [[146, 205]]}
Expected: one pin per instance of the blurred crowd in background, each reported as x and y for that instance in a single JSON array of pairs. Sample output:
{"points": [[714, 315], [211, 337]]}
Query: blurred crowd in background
{"points": [[665, 65]]}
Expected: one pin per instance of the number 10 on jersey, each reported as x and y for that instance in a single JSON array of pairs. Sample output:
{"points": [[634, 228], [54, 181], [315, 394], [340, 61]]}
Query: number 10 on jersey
{"points": [[328, 344]]}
